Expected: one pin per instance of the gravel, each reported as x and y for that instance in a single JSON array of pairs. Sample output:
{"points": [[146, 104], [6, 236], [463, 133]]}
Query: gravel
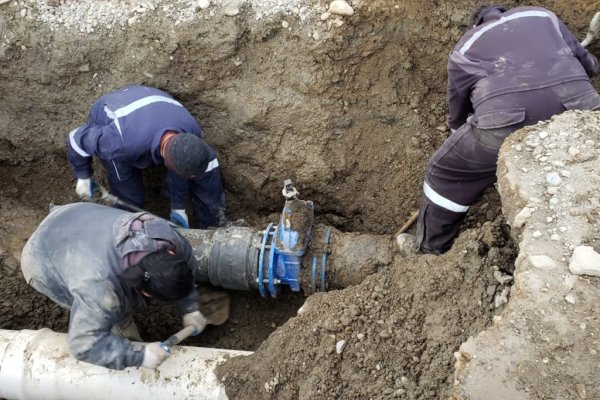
{"points": [[87, 16]]}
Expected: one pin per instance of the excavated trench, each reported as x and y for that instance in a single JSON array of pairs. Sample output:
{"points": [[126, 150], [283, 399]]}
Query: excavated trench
{"points": [[350, 111]]}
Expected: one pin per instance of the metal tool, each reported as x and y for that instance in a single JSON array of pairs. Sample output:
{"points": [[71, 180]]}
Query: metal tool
{"points": [[113, 201], [408, 223], [177, 338]]}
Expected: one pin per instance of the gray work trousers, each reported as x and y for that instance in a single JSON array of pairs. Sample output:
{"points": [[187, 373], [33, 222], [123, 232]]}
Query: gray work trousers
{"points": [[465, 165]]}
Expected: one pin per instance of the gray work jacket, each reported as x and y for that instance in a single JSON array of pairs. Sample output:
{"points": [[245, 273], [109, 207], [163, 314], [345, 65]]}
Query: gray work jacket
{"points": [[75, 257]]}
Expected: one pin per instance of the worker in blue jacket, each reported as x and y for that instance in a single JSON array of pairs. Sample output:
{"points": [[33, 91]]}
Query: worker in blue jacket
{"points": [[135, 127]]}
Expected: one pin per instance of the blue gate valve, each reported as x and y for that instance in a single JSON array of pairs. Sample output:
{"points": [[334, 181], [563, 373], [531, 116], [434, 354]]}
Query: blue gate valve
{"points": [[283, 246]]}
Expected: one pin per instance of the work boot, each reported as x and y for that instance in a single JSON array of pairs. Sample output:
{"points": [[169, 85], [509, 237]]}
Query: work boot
{"points": [[406, 244]]}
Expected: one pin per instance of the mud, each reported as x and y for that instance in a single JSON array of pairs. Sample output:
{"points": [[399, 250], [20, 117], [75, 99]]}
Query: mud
{"points": [[350, 114]]}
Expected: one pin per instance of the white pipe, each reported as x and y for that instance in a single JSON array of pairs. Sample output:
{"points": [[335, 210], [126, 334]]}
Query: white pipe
{"points": [[37, 365]]}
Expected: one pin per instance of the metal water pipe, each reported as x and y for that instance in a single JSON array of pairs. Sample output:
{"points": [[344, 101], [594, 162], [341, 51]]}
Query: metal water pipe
{"points": [[293, 253]]}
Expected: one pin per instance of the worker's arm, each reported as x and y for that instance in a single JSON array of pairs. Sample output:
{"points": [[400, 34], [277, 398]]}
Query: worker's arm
{"points": [[209, 197], [459, 105], [90, 338], [184, 250], [80, 152], [462, 76], [587, 59]]}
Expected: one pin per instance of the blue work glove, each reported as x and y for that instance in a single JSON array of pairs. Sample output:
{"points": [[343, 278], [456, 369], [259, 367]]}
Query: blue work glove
{"points": [[85, 188], [180, 218]]}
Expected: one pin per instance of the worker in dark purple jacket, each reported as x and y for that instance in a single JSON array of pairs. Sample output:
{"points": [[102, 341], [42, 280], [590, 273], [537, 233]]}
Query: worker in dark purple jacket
{"points": [[135, 127], [513, 68]]}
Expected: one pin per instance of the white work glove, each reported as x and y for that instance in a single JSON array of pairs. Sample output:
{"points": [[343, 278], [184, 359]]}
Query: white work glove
{"points": [[196, 319], [154, 355], [84, 188], [180, 218]]}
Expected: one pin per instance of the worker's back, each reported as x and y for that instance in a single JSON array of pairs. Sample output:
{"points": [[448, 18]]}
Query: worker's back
{"points": [[523, 49]]}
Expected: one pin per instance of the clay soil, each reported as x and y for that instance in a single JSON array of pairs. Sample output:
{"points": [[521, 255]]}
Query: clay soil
{"points": [[351, 118]]}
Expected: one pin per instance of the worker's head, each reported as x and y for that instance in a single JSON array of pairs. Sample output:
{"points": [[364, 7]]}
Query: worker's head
{"points": [[161, 275], [185, 154], [478, 16]]}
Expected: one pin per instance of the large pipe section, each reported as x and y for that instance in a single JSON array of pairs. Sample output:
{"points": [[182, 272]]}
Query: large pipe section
{"points": [[291, 253], [37, 365]]}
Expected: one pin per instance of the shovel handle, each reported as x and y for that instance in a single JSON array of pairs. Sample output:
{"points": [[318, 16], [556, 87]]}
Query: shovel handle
{"points": [[408, 223], [177, 338]]}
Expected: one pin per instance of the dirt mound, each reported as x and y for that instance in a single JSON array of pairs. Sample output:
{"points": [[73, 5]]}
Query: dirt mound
{"points": [[397, 331]]}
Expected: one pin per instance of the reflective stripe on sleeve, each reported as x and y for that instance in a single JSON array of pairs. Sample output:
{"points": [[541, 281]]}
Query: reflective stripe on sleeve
{"points": [[441, 201], [212, 165], [74, 144]]}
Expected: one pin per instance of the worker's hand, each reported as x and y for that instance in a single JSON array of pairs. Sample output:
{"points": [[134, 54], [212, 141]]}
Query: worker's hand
{"points": [[85, 188], [154, 355], [180, 218], [196, 319]]}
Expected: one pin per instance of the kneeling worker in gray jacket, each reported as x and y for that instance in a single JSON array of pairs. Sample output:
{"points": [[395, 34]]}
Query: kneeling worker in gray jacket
{"points": [[100, 263]]}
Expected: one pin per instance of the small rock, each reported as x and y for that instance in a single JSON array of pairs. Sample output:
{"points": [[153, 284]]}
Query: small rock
{"points": [[573, 151], [339, 346], [132, 20], [346, 320], [285, 24], [325, 16], [542, 262], [340, 7], [522, 217], [537, 234], [553, 179], [552, 190], [569, 281], [501, 278], [84, 68], [565, 173], [501, 298], [581, 391], [24, 12], [51, 3], [555, 237], [404, 380], [204, 4], [232, 12], [543, 135], [585, 261], [360, 336], [316, 35], [570, 298], [518, 147]]}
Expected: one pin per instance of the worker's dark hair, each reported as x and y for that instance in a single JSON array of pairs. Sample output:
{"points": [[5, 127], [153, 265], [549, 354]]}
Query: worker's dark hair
{"points": [[480, 12], [162, 275]]}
